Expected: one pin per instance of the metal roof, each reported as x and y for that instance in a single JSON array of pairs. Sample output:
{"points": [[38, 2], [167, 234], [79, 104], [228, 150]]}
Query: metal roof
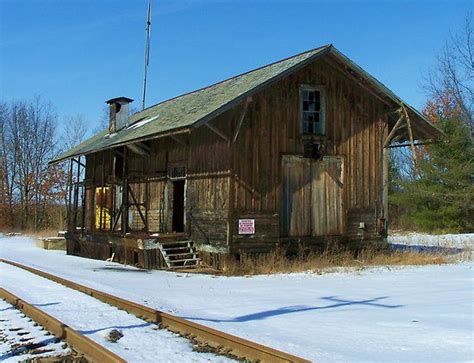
{"points": [[195, 108]]}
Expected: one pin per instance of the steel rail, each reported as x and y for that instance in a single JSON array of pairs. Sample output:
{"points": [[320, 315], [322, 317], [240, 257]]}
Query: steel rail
{"points": [[231, 344], [93, 351]]}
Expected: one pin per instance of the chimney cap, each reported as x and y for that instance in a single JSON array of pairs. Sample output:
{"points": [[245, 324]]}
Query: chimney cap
{"points": [[121, 100]]}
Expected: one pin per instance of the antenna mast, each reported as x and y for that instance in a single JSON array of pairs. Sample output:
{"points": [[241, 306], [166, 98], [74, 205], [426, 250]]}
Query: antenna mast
{"points": [[147, 52]]}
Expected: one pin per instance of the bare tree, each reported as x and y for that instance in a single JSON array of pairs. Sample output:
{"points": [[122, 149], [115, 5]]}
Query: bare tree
{"points": [[450, 85], [75, 131], [28, 143]]}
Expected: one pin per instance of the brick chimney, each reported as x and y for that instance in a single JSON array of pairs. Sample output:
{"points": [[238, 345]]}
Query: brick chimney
{"points": [[118, 113]]}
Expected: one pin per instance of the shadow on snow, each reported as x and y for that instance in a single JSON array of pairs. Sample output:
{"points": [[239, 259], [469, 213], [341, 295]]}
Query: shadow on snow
{"points": [[337, 303]]}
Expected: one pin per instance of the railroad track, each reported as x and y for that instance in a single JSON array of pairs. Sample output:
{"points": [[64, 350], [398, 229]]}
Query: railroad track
{"points": [[219, 341], [93, 351]]}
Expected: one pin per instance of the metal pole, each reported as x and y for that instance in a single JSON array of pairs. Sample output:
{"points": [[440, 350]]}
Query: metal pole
{"points": [[147, 52]]}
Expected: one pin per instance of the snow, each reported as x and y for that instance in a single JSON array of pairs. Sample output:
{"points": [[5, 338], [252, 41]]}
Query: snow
{"points": [[453, 241], [17, 332], [141, 341], [142, 122], [407, 314]]}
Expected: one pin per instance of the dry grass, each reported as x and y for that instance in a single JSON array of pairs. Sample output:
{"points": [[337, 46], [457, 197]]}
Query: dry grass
{"points": [[279, 261]]}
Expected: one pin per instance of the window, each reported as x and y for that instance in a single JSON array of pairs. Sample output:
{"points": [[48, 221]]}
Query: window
{"points": [[312, 110]]}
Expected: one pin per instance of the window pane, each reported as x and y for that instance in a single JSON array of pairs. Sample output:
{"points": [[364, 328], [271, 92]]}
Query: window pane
{"points": [[317, 106], [312, 121]]}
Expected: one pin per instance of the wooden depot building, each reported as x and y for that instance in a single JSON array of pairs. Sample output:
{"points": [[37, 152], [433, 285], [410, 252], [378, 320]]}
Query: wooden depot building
{"points": [[292, 151]]}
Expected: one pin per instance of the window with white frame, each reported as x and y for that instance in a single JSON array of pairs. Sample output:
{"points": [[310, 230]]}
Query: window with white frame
{"points": [[312, 110]]}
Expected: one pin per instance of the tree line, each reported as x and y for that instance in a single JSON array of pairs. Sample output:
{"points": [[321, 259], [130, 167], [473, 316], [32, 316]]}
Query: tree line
{"points": [[436, 193], [33, 194]]}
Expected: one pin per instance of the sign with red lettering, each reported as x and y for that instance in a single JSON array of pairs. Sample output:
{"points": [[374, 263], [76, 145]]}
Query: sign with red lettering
{"points": [[246, 226]]}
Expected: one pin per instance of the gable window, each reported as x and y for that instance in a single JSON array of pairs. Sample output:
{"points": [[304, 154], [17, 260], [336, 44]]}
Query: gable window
{"points": [[312, 110]]}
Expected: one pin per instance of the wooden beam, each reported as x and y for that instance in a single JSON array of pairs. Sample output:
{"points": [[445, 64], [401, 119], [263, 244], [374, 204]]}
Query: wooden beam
{"points": [[125, 192], [139, 148], [385, 176], [147, 204], [241, 118], [385, 181], [92, 208], [350, 73], [117, 219], [102, 201], [79, 161], [394, 129], [410, 134], [83, 201], [76, 193], [218, 132], [178, 140], [138, 207], [112, 191], [69, 201]]}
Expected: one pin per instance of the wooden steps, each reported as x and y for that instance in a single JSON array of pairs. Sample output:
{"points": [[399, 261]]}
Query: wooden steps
{"points": [[179, 253]]}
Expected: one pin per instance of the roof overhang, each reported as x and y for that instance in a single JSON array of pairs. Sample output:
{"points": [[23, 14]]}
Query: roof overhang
{"points": [[80, 150], [422, 129]]}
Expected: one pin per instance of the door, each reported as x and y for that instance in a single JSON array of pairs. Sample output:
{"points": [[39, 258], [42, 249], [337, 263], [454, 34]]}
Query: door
{"points": [[312, 202], [178, 205]]}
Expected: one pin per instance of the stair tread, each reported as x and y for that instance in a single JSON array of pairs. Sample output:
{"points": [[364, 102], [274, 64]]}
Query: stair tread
{"points": [[177, 248], [180, 254], [185, 259], [176, 244]]}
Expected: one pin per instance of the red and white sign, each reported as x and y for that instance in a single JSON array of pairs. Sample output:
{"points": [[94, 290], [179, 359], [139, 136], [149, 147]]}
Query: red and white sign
{"points": [[246, 226]]}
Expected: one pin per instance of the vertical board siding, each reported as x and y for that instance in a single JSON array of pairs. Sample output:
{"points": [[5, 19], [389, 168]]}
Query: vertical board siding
{"points": [[271, 129], [251, 175], [312, 201]]}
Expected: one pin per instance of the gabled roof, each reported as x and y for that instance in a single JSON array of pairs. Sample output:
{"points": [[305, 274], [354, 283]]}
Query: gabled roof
{"points": [[195, 108]]}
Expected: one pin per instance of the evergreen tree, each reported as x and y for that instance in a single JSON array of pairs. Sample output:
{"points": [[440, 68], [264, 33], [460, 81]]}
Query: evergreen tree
{"points": [[441, 196]]}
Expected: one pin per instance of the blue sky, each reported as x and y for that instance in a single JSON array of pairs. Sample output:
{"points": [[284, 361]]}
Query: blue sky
{"points": [[77, 54]]}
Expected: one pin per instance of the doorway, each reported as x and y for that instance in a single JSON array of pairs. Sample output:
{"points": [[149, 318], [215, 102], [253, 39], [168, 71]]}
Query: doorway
{"points": [[178, 205]]}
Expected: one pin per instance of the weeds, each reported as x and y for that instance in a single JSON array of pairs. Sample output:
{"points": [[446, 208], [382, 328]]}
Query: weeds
{"points": [[334, 256]]}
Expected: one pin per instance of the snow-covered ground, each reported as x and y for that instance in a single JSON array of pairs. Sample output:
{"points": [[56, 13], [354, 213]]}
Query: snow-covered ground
{"points": [[141, 341], [410, 314], [448, 241], [21, 338]]}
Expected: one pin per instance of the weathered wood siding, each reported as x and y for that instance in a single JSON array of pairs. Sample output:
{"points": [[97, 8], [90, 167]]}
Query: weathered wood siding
{"points": [[355, 125], [208, 184], [206, 158], [226, 181], [312, 203]]}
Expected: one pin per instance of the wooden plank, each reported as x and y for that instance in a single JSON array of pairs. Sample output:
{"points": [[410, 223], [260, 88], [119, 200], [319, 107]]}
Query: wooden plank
{"points": [[241, 118], [218, 132]]}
